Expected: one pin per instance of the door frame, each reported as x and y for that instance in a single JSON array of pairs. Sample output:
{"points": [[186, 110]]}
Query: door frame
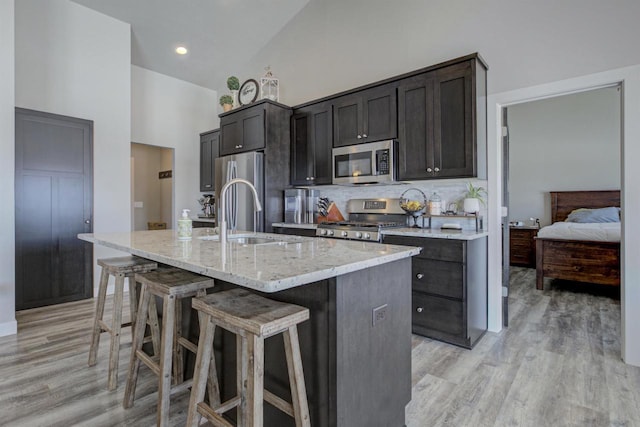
{"points": [[629, 80]]}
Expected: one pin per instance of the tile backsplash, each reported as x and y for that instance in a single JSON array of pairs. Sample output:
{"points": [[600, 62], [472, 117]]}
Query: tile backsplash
{"points": [[450, 191]]}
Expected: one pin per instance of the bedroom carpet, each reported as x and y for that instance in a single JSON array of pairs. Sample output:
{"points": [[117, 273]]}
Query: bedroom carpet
{"points": [[558, 364]]}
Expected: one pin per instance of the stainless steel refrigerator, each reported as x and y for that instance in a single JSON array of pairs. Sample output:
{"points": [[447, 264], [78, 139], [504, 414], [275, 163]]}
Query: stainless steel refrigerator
{"points": [[241, 214]]}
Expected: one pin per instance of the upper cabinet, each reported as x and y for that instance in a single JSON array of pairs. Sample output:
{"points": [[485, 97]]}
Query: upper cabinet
{"points": [[442, 122], [311, 144], [242, 130], [209, 146], [365, 116]]}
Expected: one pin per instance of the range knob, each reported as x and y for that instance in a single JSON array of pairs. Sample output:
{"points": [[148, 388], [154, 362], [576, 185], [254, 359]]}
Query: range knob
{"points": [[367, 235], [358, 234], [330, 232], [344, 234], [323, 232]]}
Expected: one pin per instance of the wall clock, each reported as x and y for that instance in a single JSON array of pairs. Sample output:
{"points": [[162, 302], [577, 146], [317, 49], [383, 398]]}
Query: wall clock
{"points": [[248, 92]]}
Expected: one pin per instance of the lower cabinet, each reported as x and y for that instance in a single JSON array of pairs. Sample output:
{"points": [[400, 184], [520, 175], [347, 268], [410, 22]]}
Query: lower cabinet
{"points": [[449, 288]]}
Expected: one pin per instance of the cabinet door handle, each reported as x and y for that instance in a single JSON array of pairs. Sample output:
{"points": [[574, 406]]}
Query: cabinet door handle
{"points": [[436, 169], [239, 146], [359, 136], [429, 170], [87, 221], [419, 275], [419, 309], [208, 185], [311, 178], [364, 135]]}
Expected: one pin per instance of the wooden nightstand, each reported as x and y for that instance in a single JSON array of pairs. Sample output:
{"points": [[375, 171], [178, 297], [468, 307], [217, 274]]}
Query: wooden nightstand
{"points": [[522, 246]]}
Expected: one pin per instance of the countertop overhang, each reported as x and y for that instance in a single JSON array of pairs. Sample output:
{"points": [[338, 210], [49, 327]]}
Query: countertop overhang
{"points": [[263, 267]]}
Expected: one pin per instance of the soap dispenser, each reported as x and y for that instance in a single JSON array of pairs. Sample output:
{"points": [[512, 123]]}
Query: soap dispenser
{"points": [[184, 226]]}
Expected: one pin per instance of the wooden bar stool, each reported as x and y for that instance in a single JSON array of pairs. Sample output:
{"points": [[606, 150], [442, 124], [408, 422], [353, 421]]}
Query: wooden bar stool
{"points": [[172, 285], [252, 318], [120, 268]]}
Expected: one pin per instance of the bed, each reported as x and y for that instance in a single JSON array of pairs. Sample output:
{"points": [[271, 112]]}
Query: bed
{"points": [[580, 260]]}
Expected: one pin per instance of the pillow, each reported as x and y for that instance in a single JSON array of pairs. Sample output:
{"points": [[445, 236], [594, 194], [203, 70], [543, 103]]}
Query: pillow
{"points": [[610, 214]]}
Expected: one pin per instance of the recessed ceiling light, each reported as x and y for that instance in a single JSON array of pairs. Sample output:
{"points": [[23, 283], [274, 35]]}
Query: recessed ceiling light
{"points": [[181, 50]]}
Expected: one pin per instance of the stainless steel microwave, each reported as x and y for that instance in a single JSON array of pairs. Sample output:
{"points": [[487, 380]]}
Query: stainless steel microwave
{"points": [[373, 162]]}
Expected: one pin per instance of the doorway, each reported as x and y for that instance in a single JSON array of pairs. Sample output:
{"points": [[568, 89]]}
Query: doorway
{"points": [[151, 187], [54, 203], [565, 142]]}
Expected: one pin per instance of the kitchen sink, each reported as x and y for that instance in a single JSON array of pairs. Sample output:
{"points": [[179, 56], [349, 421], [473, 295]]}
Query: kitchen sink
{"points": [[255, 241], [250, 239]]}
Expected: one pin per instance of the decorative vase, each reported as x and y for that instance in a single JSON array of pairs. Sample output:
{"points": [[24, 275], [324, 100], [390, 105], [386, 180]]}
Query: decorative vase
{"points": [[234, 95], [227, 107], [471, 205]]}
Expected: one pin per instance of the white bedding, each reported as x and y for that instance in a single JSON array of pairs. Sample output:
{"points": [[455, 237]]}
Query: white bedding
{"points": [[601, 232]]}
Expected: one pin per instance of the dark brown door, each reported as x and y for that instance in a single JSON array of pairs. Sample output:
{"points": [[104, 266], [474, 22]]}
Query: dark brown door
{"points": [[54, 198]]}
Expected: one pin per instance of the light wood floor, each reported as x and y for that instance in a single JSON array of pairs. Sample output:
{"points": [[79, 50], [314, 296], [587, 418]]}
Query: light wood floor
{"points": [[558, 364]]}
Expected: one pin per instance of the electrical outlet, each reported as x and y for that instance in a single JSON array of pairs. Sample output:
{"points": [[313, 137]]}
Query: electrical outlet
{"points": [[379, 314]]}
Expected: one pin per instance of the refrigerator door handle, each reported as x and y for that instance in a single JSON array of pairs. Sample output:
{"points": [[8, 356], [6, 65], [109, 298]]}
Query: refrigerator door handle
{"points": [[232, 212]]}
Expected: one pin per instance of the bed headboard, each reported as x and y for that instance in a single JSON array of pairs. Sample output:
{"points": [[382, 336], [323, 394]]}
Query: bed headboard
{"points": [[563, 202]]}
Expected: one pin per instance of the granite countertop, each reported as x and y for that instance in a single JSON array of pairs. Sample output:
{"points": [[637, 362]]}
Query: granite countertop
{"points": [[287, 262], [433, 233]]}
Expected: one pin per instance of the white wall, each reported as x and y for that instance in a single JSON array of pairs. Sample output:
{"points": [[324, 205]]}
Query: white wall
{"points": [[170, 113], [73, 61], [569, 142], [332, 45], [8, 324]]}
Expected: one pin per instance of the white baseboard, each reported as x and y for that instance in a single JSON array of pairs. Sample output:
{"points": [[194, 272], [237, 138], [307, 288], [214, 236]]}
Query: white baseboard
{"points": [[8, 328]]}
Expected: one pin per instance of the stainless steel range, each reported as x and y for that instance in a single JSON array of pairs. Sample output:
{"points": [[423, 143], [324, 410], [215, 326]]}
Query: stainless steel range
{"points": [[367, 217]]}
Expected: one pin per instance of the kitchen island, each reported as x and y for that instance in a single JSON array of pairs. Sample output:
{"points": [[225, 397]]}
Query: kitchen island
{"points": [[356, 346]]}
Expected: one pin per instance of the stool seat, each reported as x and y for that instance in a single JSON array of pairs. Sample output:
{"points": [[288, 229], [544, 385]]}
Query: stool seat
{"points": [[239, 310], [127, 265], [119, 267], [174, 281], [172, 285], [252, 318]]}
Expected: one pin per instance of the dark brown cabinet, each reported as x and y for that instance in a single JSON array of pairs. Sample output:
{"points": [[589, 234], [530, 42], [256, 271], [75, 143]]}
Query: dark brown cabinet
{"points": [[311, 144], [522, 246], [365, 116], [442, 122], [242, 129], [209, 147], [449, 288]]}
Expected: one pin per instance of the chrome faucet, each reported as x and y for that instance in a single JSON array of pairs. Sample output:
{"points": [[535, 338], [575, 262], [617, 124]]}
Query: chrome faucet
{"points": [[223, 202]]}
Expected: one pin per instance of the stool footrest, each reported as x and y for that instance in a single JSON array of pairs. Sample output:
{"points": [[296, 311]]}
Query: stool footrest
{"points": [[179, 388], [228, 405], [279, 403], [211, 416], [148, 360], [193, 348]]}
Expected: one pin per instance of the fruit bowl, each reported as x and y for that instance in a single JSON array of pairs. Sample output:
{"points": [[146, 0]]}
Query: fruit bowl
{"points": [[413, 201]]}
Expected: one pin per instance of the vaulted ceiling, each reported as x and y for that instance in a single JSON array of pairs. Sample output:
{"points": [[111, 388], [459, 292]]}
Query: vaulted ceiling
{"points": [[220, 35]]}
